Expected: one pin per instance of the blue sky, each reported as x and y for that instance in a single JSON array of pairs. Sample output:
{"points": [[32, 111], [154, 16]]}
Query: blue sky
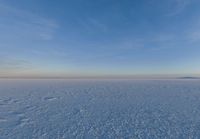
{"points": [[69, 38]]}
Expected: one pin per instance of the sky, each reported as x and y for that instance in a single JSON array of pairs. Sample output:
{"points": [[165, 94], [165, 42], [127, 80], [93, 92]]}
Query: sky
{"points": [[93, 38]]}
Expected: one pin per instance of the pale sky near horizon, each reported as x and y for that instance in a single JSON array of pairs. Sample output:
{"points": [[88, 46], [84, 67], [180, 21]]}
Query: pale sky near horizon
{"points": [[69, 38]]}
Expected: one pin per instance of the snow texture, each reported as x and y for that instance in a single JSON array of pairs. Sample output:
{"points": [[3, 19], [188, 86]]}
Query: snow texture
{"points": [[104, 109]]}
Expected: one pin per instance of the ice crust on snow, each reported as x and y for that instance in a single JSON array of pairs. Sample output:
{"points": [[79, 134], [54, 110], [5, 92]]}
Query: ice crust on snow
{"points": [[105, 109]]}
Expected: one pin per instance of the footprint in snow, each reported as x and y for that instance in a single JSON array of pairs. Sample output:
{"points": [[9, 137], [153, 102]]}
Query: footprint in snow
{"points": [[23, 121], [50, 98], [30, 108], [8, 101]]}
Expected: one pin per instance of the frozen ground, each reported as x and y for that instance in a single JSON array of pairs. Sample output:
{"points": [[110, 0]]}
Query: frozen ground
{"points": [[56, 109]]}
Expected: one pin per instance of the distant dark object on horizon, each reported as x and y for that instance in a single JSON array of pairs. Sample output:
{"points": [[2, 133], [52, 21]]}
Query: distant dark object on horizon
{"points": [[189, 78]]}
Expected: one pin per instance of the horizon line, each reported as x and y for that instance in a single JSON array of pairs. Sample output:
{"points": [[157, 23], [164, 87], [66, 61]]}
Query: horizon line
{"points": [[157, 76]]}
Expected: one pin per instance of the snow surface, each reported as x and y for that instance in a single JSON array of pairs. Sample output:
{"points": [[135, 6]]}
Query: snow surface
{"points": [[88, 109]]}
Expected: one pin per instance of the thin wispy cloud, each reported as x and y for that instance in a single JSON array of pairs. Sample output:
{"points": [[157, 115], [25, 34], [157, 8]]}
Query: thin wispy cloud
{"points": [[178, 6], [90, 24], [11, 66], [192, 34], [30, 24]]}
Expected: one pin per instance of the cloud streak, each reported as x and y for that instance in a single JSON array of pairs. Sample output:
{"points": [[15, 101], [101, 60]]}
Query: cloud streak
{"points": [[178, 7], [11, 66], [27, 23], [10, 63]]}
